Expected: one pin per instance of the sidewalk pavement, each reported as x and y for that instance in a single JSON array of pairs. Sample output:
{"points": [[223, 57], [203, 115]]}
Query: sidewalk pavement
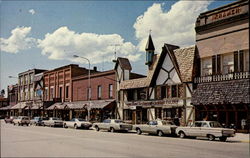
{"points": [[240, 137]]}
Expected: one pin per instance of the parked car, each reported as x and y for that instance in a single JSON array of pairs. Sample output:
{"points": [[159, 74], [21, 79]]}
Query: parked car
{"points": [[52, 122], [37, 121], [77, 123], [112, 125], [21, 120], [209, 129], [9, 119], [159, 127]]}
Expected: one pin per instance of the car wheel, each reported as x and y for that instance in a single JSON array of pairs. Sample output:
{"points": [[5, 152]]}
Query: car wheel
{"points": [[14, 124], [182, 134], [211, 137], [18, 124], [64, 125], [97, 128], [75, 126], [160, 133], [138, 131], [112, 130], [223, 139]]}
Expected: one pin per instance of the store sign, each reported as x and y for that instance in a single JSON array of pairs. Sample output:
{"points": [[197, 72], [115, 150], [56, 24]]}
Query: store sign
{"points": [[227, 13]]}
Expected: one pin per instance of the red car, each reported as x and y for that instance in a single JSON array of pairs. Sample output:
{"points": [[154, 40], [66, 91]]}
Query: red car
{"points": [[9, 119]]}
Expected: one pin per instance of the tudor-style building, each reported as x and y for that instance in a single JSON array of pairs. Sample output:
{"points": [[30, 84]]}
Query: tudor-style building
{"points": [[222, 87], [165, 92]]}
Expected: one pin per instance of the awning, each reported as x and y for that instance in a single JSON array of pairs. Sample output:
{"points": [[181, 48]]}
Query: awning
{"points": [[21, 105], [58, 106], [36, 106], [76, 105], [232, 92], [6, 107], [100, 104]]}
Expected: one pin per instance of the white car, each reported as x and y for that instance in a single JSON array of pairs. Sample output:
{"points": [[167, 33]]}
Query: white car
{"points": [[77, 123], [112, 125], [21, 120], [209, 129], [159, 127]]}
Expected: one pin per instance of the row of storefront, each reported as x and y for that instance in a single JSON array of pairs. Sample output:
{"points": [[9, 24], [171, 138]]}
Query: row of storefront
{"points": [[207, 81]]}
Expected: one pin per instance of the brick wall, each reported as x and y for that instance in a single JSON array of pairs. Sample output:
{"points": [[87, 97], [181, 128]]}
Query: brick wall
{"points": [[103, 79]]}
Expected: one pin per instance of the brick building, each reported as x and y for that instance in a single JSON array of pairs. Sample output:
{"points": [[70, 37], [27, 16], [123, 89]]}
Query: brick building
{"points": [[100, 98], [58, 88], [222, 85]]}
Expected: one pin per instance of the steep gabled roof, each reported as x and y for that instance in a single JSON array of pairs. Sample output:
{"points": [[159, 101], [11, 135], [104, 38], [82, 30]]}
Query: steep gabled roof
{"points": [[124, 63]]}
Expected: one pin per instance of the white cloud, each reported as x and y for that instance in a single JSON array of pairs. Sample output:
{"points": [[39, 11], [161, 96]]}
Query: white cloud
{"points": [[18, 40], [175, 26], [64, 43], [32, 11]]}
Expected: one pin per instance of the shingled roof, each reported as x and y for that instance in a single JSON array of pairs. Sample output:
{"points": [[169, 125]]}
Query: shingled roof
{"points": [[185, 62], [124, 63], [234, 92], [144, 81]]}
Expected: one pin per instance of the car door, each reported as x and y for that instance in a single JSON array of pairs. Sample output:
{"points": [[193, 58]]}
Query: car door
{"points": [[153, 127], [145, 127], [195, 129], [204, 129], [71, 122]]}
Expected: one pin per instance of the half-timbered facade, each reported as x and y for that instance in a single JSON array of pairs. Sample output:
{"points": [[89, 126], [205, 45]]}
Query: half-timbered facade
{"points": [[165, 93]]}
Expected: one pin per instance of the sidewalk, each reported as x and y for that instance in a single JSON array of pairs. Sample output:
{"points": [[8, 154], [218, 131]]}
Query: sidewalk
{"points": [[240, 137]]}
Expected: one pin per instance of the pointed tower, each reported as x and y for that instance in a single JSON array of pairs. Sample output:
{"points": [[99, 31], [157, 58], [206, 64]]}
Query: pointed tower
{"points": [[150, 49]]}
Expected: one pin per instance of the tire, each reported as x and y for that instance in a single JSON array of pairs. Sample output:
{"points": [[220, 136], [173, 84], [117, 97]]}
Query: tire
{"points": [[160, 133], [223, 139], [138, 131], [97, 128], [18, 124], [182, 134], [75, 126], [210, 137], [64, 125], [112, 130], [14, 124]]}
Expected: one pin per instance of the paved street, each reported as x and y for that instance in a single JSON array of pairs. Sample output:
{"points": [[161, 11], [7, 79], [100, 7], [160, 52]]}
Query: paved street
{"points": [[18, 141]]}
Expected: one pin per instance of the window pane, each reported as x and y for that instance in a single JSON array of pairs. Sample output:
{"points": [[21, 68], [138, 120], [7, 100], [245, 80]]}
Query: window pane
{"points": [[218, 64], [110, 91], [235, 61], [174, 91], [214, 65], [241, 62]]}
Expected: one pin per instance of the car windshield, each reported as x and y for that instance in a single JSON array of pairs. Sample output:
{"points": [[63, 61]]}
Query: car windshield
{"points": [[215, 124], [119, 121], [54, 118]]}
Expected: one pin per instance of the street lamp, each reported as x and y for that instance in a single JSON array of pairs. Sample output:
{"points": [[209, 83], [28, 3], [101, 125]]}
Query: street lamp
{"points": [[76, 56]]}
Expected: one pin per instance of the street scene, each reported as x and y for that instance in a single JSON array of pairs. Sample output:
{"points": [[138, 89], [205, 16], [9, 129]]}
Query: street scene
{"points": [[33, 141], [125, 79]]}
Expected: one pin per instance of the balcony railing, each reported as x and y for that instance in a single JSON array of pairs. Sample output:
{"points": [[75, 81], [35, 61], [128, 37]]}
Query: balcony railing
{"points": [[224, 77]]}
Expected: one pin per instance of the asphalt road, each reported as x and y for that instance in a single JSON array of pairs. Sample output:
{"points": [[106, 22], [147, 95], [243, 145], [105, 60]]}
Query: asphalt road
{"points": [[32, 141]]}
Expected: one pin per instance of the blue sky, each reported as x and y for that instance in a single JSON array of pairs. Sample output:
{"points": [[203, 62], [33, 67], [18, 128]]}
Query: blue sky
{"points": [[103, 23]]}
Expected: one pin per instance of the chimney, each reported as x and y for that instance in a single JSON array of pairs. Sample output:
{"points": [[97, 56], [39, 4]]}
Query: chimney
{"points": [[95, 68]]}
